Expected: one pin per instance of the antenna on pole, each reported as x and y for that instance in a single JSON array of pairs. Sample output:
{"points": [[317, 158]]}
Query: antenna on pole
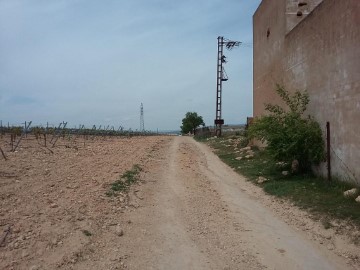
{"points": [[221, 77], [142, 124]]}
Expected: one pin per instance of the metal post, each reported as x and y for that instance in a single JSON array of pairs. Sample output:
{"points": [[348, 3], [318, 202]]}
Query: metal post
{"points": [[328, 146]]}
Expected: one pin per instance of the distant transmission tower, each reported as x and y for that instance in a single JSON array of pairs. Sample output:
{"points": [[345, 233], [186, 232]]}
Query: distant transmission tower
{"points": [[142, 124]]}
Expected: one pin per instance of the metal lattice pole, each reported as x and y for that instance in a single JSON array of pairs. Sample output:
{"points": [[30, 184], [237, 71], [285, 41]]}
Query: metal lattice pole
{"points": [[142, 124], [221, 77], [218, 120]]}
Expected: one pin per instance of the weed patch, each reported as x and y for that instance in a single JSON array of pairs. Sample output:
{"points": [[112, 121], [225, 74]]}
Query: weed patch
{"points": [[126, 180], [87, 233]]}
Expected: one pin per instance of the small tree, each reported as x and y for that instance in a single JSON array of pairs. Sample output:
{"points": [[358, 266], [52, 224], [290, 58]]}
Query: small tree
{"points": [[191, 121], [287, 134]]}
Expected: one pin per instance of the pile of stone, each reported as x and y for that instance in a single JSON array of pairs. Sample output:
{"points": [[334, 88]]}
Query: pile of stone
{"points": [[246, 153]]}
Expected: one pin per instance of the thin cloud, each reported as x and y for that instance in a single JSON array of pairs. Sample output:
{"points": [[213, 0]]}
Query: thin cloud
{"points": [[93, 61]]}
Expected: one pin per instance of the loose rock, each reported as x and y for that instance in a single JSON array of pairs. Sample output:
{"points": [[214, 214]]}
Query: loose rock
{"points": [[350, 193], [262, 179], [53, 205], [119, 231]]}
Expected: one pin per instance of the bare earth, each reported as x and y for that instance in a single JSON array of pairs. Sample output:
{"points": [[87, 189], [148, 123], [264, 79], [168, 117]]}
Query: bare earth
{"points": [[190, 211]]}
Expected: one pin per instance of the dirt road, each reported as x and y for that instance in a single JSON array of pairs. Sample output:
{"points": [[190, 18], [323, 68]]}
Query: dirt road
{"points": [[190, 211], [199, 214]]}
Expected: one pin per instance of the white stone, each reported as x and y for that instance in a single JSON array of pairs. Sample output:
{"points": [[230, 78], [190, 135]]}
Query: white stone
{"points": [[285, 173], [262, 179], [350, 192], [281, 164], [357, 199]]}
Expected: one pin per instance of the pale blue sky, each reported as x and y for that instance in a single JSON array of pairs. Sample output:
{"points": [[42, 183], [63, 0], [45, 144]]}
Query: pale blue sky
{"points": [[93, 62]]}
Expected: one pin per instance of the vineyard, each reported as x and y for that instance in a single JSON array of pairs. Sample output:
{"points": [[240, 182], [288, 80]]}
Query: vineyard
{"points": [[54, 184], [48, 137]]}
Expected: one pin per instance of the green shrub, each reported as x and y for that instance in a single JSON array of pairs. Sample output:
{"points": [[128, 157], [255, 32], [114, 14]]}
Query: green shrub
{"points": [[288, 134]]}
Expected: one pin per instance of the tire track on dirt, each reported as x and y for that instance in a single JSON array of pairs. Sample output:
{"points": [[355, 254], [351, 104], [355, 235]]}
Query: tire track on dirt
{"points": [[197, 216], [183, 223]]}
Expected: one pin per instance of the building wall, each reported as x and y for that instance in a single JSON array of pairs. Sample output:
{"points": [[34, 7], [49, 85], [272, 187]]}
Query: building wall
{"points": [[319, 53], [297, 11], [269, 38]]}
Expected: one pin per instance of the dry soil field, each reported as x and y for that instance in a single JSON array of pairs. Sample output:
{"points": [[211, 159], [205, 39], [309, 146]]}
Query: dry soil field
{"points": [[189, 211]]}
